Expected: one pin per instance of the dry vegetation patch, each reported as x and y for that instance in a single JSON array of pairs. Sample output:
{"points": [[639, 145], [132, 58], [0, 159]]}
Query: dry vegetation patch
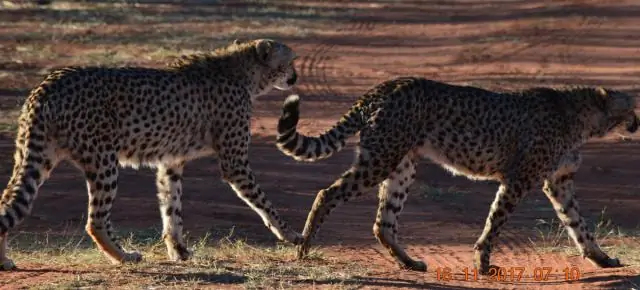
{"points": [[71, 260]]}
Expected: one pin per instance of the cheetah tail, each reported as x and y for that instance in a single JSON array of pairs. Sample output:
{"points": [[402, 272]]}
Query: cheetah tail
{"points": [[306, 148], [28, 174]]}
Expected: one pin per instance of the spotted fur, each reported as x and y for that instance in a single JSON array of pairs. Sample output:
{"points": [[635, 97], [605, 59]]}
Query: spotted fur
{"points": [[101, 117], [523, 140]]}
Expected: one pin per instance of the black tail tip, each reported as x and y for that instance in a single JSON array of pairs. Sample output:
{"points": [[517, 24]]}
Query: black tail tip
{"points": [[290, 114]]}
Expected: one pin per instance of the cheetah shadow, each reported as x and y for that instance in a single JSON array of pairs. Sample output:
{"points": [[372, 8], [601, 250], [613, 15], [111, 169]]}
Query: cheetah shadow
{"points": [[613, 281], [616, 281], [208, 278]]}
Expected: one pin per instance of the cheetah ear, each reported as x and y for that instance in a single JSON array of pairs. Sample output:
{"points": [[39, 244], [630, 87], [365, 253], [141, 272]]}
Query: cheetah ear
{"points": [[236, 41], [265, 49]]}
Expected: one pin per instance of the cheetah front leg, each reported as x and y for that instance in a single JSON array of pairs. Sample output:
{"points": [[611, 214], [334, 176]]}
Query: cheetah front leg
{"points": [[507, 198], [393, 193], [102, 183], [169, 183], [235, 169], [560, 191]]}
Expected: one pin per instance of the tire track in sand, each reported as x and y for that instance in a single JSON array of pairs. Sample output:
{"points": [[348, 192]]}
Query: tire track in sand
{"points": [[314, 66]]}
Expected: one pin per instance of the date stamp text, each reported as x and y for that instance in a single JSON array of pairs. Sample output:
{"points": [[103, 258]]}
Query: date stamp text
{"points": [[510, 274]]}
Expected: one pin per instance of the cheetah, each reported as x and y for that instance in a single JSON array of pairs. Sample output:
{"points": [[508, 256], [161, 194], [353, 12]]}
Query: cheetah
{"points": [[101, 118], [520, 139]]}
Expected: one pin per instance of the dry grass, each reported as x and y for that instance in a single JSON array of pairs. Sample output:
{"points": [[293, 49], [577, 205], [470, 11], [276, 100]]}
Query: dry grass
{"points": [[224, 262], [552, 236]]}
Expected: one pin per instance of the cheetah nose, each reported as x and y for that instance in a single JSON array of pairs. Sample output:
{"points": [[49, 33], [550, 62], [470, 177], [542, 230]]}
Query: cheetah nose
{"points": [[291, 81]]}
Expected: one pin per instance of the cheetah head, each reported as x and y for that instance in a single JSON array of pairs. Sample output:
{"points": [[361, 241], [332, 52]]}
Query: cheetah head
{"points": [[621, 117], [277, 60]]}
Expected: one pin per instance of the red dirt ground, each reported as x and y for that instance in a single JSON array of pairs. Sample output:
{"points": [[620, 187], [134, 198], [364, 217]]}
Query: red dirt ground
{"points": [[498, 45]]}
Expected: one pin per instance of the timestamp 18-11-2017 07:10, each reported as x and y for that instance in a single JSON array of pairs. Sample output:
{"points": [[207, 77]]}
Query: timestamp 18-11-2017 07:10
{"points": [[509, 274]]}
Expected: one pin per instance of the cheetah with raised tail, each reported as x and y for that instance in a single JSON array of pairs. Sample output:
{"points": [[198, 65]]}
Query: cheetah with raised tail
{"points": [[100, 118], [523, 140]]}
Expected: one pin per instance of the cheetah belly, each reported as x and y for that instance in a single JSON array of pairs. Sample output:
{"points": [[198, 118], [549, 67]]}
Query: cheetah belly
{"points": [[136, 158], [153, 152], [440, 157]]}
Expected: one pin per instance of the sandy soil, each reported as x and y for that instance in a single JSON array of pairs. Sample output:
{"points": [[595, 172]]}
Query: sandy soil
{"points": [[497, 44]]}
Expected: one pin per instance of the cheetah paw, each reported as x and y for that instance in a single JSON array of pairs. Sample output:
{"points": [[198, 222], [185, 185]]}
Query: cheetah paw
{"points": [[7, 265], [606, 262], [419, 266], [297, 240], [132, 257], [293, 237], [180, 253], [491, 269], [303, 251]]}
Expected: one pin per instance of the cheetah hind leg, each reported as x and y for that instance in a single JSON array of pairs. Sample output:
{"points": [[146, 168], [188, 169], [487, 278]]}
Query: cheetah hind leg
{"points": [[507, 198], [393, 193], [360, 178], [102, 186]]}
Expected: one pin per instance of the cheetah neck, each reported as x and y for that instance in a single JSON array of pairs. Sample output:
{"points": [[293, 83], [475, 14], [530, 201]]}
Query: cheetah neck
{"points": [[591, 113]]}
